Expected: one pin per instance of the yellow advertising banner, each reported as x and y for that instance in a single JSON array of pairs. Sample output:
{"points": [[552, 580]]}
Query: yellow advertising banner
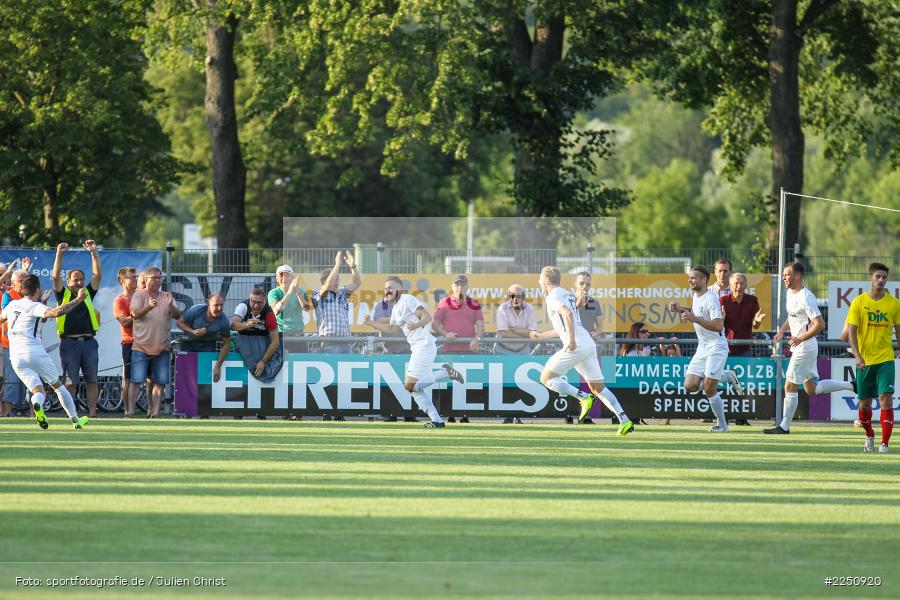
{"points": [[624, 299]]}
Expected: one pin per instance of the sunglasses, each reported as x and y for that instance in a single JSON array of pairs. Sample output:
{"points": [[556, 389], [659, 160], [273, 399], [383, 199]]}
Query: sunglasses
{"points": [[644, 331], [515, 295]]}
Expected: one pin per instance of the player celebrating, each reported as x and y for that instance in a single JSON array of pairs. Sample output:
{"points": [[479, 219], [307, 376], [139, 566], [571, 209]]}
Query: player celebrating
{"points": [[412, 318], [579, 352], [707, 367], [870, 318], [27, 354], [805, 322]]}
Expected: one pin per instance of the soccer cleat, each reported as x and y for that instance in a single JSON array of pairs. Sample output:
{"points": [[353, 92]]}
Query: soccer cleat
{"points": [[870, 444], [452, 373], [732, 378], [625, 428], [883, 449], [777, 430], [40, 416], [434, 424], [853, 381], [82, 421], [718, 429], [586, 403]]}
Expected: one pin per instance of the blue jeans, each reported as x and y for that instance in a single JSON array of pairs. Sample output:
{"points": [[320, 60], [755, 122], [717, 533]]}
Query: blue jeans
{"points": [[13, 388], [158, 367]]}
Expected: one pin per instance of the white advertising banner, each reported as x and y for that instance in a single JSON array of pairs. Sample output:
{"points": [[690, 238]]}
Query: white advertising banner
{"points": [[844, 405], [841, 294]]}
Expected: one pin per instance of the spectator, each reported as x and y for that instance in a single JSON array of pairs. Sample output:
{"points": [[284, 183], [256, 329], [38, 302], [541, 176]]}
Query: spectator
{"points": [[332, 304], [637, 331], [517, 319], [723, 273], [588, 308], [13, 388], [122, 312], [151, 310], [458, 315], [257, 342], [742, 314], [78, 350], [288, 301], [205, 325], [670, 349]]}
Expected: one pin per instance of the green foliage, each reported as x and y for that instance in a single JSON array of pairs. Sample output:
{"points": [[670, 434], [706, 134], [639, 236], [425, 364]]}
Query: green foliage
{"points": [[81, 154]]}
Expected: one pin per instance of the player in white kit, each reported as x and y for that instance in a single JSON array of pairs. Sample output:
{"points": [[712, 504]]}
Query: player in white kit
{"points": [[707, 367], [805, 322], [579, 352], [27, 354], [411, 316]]}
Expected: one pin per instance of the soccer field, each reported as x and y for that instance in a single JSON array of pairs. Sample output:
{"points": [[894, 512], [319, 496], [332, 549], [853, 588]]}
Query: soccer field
{"points": [[391, 510]]}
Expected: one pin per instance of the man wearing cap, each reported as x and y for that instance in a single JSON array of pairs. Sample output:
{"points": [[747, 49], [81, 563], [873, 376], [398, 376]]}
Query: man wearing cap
{"points": [[288, 301], [332, 304], [458, 315], [517, 319]]}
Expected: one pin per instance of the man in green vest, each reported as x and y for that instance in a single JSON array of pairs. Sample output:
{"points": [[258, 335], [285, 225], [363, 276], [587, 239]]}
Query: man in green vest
{"points": [[78, 350]]}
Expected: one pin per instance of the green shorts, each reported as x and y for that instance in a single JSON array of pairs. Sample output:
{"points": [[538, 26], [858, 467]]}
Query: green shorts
{"points": [[875, 380]]}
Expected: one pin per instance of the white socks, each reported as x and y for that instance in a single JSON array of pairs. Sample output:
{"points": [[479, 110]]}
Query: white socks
{"points": [[790, 407], [718, 407], [429, 379], [37, 400], [427, 406], [65, 398], [612, 403], [826, 386], [564, 388]]}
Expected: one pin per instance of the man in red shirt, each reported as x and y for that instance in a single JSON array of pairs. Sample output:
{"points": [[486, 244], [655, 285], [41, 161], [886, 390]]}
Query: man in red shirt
{"points": [[742, 314], [458, 315], [122, 313]]}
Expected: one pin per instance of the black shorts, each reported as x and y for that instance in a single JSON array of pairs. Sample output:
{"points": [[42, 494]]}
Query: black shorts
{"points": [[126, 360]]}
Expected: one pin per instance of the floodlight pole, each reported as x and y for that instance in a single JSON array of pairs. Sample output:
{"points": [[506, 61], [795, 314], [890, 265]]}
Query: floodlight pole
{"points": [[778, 354]]}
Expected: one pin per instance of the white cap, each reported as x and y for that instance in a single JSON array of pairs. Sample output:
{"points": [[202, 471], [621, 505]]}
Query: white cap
{"points": [[284, 269]]}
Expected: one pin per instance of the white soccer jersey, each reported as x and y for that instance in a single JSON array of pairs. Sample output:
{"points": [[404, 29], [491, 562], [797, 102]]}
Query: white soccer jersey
{"points": [[404, 312], [707, 307], [802, 309], [556, 300], [23, 319]]}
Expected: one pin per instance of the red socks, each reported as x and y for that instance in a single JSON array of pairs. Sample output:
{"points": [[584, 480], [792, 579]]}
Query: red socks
{"points": [[865, 417], [887, 424]]}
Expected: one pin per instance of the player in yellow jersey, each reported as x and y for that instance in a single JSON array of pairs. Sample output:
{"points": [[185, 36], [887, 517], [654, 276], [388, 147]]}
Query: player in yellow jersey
{"points": [[872, 316]]}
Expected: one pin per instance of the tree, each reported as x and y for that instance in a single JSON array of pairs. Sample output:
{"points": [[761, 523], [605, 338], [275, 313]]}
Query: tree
{"points": [[769, 68], [447, 73], [81, 154]]}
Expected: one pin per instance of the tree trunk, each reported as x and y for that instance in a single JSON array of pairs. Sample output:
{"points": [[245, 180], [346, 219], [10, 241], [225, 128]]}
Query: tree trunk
{"points": [[51, 188], [784, 116], [228, 171]]}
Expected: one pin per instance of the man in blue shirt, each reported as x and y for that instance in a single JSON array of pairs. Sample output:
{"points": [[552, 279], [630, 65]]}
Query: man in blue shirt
{"points": [[205, 324]]}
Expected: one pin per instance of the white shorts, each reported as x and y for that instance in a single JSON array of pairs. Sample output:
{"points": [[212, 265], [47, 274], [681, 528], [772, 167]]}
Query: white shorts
{"points": [[32, 366], [802, 368], [584, 360], [421, 361], [709, 361]]}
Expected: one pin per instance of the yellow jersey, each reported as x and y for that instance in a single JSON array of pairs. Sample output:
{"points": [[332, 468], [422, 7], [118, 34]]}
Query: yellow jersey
{"points": [[875, 321]]}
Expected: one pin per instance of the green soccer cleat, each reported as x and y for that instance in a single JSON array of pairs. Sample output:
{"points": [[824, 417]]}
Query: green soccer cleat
{"points": [[40, 416], [626, 428], [82, 421], [586, 403]]}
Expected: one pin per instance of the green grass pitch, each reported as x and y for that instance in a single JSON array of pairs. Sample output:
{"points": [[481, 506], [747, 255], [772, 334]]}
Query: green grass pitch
{"points": [[391, 510]]}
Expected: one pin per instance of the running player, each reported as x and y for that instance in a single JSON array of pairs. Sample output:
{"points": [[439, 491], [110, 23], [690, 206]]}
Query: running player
{"points": [[579, 352], [707, 366], [805, 322], [871, 317], [27, 354], [411, 317]]}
